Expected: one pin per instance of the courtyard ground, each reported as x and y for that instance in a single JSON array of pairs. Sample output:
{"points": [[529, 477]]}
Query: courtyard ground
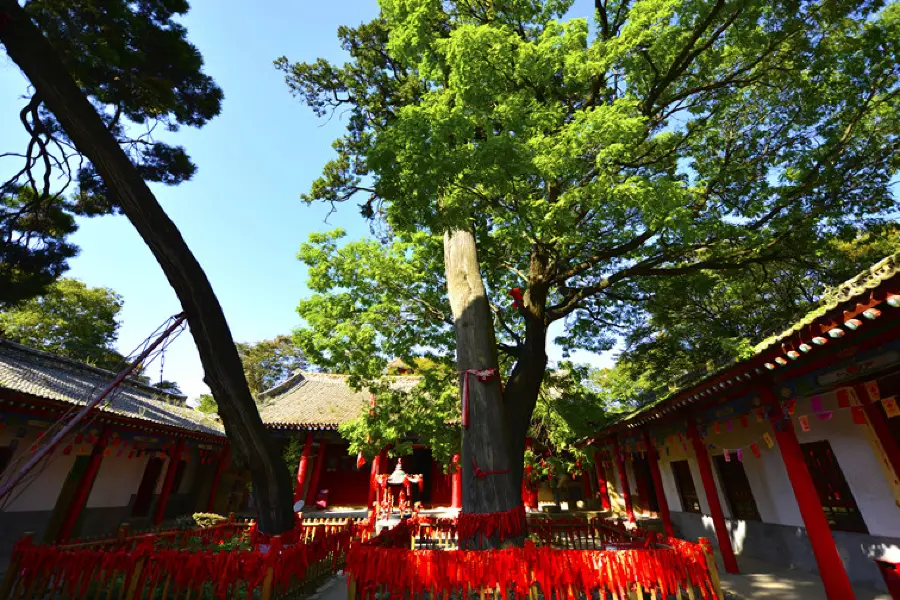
{"points": [[761, 580]]}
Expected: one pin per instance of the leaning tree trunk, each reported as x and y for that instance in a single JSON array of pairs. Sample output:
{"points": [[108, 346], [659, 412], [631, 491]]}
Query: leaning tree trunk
{"points": [[28, 48], [485, 442]]}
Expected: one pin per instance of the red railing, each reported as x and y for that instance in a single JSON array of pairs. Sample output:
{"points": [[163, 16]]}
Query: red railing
{"points": [[567, 558], [217, 562]]}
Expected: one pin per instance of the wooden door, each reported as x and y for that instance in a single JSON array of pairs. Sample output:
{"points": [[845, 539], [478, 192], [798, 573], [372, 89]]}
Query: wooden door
{"points": [[144, 498]]}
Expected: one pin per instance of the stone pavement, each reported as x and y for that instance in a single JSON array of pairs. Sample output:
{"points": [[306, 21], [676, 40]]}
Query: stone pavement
{"points": [[334, 589], [760, 580]]}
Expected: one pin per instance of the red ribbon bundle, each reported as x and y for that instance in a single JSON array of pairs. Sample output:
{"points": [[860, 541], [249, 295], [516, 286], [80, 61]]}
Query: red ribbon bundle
{"points": [[81, 568], [403, 571], [504, 524]]}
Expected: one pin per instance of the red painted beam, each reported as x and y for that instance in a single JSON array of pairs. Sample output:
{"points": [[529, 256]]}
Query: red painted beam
{"points": [[653, 458], [302, 469], [160, 510], [601, 481], [457, 483], [831, 567], [317, 474], [623, 481], [712, 498], [83, 491]]}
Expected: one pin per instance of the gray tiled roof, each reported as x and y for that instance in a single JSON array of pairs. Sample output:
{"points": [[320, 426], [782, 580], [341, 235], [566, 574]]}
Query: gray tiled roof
{"points": [[869, 279], [29, 371], [317, 401]]}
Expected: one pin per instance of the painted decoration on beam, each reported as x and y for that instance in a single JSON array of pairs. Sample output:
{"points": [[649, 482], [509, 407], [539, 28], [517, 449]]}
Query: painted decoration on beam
{"points": [[873, 391], [890, 407]]}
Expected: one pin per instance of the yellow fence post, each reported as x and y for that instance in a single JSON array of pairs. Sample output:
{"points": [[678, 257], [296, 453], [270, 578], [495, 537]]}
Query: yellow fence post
{"points": [[267, 584], [135, 576], [713, 568]]}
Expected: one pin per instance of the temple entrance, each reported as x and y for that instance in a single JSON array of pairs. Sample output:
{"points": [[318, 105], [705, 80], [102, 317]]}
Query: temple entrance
{"points": [[421, 463]]}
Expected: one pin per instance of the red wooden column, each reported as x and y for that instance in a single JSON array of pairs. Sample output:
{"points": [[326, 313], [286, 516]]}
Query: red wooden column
{"points": [[457, 483], [226, 458], [586, 488], [84, 487], [831, 567], [303, 469], [623, 481], [601, 481], [160, 510], [653, 459], [317, 473], [712, 498], [377, 463], [880, 427]]}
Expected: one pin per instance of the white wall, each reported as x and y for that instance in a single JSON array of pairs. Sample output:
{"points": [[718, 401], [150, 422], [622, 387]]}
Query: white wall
{"points": [[191, 471], [768, 478], [117, 480], [40, 489]]}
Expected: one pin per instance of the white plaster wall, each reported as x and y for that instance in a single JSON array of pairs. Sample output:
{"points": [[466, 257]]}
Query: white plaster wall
{"points": [[43, 491], [768, 478], [698, 484], [38, 492], [632, 480], [191, 472], [117, 480], [669, 486]]}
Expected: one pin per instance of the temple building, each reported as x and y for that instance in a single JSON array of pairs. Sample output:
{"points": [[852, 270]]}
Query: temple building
{"points": [[142, 457], [311, 406], [791, 454]]}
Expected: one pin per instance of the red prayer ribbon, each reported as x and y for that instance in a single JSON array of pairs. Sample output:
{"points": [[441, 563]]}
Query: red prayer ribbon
{"points": [[483, 376], [504, 524]]}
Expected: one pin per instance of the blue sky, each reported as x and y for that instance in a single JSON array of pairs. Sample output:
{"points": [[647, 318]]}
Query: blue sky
{"points": [[241, 214]]}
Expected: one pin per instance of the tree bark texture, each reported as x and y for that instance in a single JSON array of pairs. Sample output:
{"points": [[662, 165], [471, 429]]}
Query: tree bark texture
{"points": [[30, 50], [524, 384], [486, 441]]}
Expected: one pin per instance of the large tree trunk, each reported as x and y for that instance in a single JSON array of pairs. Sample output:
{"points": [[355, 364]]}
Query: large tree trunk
{"points": [[524, 385], [485, 442], [28, 48]]}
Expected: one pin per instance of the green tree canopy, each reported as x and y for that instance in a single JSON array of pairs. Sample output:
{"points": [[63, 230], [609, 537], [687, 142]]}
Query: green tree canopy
{"points": [[134, 62], [708, 319], [667, 138], [270, 362], [70, 319], [206, 403]]}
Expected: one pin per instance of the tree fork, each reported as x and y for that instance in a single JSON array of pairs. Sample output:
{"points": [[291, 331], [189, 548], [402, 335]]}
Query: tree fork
{"points": [[30, 50], [485, 442]]}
